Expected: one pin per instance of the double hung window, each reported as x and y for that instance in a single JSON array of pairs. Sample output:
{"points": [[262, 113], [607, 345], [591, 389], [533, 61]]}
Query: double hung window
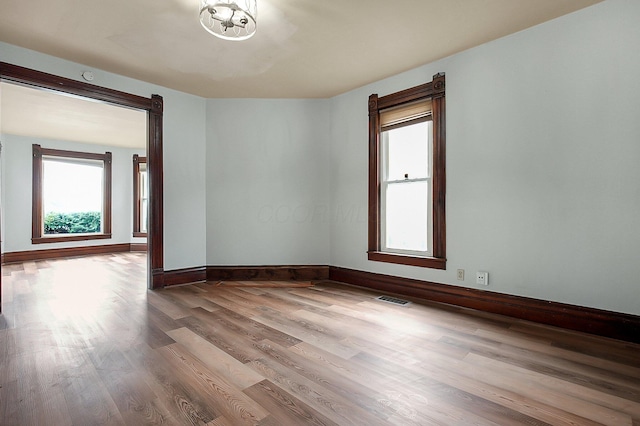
{"points": [[71, 195], [406, 176], [140, 196], [405, 187]]}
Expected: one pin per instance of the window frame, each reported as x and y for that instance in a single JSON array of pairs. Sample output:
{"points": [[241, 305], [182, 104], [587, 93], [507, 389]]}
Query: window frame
{"points": [[37, 217], [137, 160], [434, 91]]}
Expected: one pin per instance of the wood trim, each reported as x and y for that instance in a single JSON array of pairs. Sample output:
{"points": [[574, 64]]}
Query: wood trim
{"points": [[73, 154], [435, 91], [155, 167], [156, 277], [278, 273], [108, 185], [36, 192], [403, 259], [185, 276], [56, 253], [588, 320], [37, 184], [439, 112], [432, 89], [64, 238], [18, 74], [374, 174], [154, 107], [138, 247], [137, 160]]}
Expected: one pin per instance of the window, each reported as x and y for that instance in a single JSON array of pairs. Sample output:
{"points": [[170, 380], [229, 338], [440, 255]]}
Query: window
{"points": [[405, 187], [71, 195], [140, 196], [407, 176]]}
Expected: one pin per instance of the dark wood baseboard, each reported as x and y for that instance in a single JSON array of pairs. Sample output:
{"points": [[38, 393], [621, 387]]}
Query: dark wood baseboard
{"points": [[30, 255], [138, 247], [589, 320], [267, 273], [157, 278], [185, 276], [57, 253]]}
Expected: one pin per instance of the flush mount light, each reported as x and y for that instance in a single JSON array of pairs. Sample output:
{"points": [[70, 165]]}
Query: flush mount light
{"points": [[229, 19]]}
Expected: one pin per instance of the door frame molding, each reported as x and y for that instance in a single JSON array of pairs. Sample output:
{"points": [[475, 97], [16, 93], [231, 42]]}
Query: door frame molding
{"points": [[154, 107]]}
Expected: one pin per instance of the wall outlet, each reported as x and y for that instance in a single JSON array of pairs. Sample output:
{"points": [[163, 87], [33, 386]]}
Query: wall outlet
{"points": [[482, 278], [460, 274]]}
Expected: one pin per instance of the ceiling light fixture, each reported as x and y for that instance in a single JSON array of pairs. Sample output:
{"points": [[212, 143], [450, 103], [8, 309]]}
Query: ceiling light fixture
{"points": [[229, 19]]}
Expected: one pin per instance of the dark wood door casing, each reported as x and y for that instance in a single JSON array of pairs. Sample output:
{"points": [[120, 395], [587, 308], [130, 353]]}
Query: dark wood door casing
{"points": [[154, 107]]}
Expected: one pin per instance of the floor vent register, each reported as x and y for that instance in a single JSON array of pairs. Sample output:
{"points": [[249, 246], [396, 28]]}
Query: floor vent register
{"points": [[393, 300]]}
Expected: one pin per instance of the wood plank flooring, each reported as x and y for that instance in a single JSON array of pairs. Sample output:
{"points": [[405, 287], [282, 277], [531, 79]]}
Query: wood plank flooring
{"points": [[82, 342]]}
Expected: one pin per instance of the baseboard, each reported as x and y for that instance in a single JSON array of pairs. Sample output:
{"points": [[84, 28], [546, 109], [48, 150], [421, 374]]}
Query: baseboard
{"points": [[56, 253], [185, 276], [589, 320], [267, 273], [138, 247], [157, 278]]}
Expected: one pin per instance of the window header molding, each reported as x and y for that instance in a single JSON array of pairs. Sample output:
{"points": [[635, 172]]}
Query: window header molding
{"points": [[433, 89], [49, 152]]}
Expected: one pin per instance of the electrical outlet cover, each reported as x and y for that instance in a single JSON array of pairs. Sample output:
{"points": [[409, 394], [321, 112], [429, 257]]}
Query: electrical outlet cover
{"points": [[482, 278]]}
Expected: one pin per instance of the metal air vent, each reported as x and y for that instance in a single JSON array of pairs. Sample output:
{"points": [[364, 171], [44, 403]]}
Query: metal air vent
{"points": [[393, 300]]}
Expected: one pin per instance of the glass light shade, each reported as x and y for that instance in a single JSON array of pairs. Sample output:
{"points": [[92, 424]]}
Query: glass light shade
{"points": [[229, 19]]}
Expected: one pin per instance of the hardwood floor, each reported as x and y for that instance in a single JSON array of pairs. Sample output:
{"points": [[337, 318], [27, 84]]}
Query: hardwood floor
{"points": [[82, 342]]}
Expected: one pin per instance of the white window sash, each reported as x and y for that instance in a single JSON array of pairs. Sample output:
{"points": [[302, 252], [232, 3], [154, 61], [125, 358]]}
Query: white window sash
{"points": [[384, 184]]}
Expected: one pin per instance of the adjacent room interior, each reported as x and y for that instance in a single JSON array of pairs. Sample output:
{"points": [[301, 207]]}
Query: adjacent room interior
{"points": [[70, 130], [359, 214]]}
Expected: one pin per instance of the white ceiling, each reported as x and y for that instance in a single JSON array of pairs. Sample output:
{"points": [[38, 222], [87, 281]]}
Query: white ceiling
{"points": [[51, 115], [302, 49]]}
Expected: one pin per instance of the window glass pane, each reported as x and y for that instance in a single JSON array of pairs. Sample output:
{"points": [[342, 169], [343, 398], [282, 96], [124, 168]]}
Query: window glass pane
{"points": [[72, 197], [407, 151], [144, 185], [406, 216], [143, 215]]}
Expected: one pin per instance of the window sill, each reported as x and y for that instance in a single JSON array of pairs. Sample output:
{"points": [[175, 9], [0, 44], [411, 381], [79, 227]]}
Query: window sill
{"points": [[61, 239], [402, 259], [140, 234]]}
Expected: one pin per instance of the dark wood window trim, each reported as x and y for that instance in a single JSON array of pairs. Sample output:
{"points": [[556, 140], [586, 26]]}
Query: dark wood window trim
{"points": [[435, 91], [154, 106], [37, 217], [137, 203]]}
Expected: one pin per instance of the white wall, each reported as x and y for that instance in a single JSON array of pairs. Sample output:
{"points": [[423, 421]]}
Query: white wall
{"points": [[267, 182], [543, 155], [184, 153], [17, 197]]}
